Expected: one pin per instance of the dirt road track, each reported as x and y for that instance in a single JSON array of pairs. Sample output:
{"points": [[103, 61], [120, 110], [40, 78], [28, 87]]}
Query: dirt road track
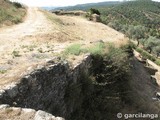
{"points": [[35, 23], [37, 34], [14, 37]]}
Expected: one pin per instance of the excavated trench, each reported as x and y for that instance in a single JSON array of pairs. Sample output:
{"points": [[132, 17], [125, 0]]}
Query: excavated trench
{"points": [[64, 91], [67, 92]]}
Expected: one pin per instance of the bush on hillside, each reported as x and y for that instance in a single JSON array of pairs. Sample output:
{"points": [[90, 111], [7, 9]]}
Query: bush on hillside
{"points": [[145, 54], [115, 62], [157, 62], [108, 86], [156, 50], [94, 11], [150, 43], [17, 5]]}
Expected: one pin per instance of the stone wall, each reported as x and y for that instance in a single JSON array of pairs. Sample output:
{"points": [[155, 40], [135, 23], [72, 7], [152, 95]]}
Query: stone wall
{"points": [[45, 88], [150, 66]]}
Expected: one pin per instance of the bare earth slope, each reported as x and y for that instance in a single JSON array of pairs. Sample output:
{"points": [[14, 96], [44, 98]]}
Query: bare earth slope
{"points": [[37, 39]]}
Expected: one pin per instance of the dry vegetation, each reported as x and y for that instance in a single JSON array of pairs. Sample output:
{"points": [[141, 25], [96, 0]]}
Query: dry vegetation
{"points": [[11, 13]]}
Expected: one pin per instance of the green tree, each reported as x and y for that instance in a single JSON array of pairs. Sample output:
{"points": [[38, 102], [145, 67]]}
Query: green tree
{"points": [[94, 11], [151, 43], [17, 5], [136, 32], [156, 50]]}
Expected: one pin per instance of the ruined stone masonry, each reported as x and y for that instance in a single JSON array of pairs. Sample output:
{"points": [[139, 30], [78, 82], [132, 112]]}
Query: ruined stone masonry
{"points": [[44, 89]]}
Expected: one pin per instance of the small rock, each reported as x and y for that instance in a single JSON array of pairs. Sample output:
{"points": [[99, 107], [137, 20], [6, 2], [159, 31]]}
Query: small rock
{"points": [[4, 106], [39, 67], [12, 91], [27, 110], [14, 103], [41, 115], [1, 93], [59, 118], [29, 68], [10, 62], [50, 61]]}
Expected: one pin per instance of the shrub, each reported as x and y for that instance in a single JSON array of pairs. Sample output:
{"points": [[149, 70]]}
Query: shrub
{"points": [[97, 49], [156, 50], [15, 53], [92, 98], [115, 62], [3, 71], [16, 19], [40, 50], [11, 13], [132, 45], [139, 50], [151, 43], [74, 49], [17, 5], [95, 100], [145, 54], [157, 62], [94, 11], [128, 49]]}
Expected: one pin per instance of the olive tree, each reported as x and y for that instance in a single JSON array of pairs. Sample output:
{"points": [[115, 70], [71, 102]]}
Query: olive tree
{"points": [[156, 50], [151, 43], [136, 32]]}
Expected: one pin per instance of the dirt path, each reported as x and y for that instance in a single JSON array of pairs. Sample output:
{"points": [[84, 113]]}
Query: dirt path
{"points": [[35, 23], [15, 39], [38, 39]]}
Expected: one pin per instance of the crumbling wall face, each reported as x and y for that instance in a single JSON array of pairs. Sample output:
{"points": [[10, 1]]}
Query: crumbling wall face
{"points": [[45, 88]]}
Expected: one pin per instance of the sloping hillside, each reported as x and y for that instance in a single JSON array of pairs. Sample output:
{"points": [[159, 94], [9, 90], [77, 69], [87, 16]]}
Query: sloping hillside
{"points": [[11, 12], [124, 15], [89, 5], [145, 13]]}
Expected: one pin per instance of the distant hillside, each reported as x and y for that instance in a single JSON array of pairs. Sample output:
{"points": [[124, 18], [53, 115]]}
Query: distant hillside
{"points": [[11, 12], [145, 13], [88, 6], [139, 20], [48, 8]]}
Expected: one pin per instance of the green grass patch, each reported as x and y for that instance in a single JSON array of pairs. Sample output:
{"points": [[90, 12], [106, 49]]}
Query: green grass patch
{"points": [[11, 13], [77, 49], [51, 17], [16, 54], [145, 54], [3, 71], [97, 49], [74, 49], [157, 62]]}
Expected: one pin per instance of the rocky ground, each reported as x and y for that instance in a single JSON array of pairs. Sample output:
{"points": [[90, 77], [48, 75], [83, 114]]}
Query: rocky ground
{"points": [[15, 113]]}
